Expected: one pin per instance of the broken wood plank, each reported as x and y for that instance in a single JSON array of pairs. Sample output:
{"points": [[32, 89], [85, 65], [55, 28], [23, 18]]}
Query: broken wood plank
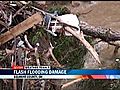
{"points": [[21, 27]]}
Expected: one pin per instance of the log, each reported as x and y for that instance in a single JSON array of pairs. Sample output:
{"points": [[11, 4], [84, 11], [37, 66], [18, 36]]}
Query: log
{"points": [[104, 34], [21, 28]]}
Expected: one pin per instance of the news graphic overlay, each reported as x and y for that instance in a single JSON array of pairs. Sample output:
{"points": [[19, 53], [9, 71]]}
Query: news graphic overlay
{"points": [[46, 72]]}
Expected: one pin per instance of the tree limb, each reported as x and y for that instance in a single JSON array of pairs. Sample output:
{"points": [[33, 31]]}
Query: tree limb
{"points": [[99, 32], [70, 83]]}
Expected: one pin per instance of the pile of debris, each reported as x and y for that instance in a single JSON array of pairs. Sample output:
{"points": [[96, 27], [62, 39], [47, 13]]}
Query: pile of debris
{"points": [[67, 24], [18, 19], [15, 28]]}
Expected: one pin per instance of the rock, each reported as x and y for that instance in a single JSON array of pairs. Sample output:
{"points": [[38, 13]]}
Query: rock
{"points": [[75, 3]]}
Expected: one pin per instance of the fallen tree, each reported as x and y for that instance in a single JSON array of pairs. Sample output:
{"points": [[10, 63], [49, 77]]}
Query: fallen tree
{"points": [[99, 32]]}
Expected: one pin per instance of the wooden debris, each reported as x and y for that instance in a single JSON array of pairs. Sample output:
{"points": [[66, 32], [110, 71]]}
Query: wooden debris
{"points": [[27, 42], [51, 53], [20, 28], [70, 83]]}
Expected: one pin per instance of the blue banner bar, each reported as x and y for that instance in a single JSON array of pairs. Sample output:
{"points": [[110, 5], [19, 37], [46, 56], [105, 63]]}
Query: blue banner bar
{"points": [[6, 72], [94, 72], [61, 72]]}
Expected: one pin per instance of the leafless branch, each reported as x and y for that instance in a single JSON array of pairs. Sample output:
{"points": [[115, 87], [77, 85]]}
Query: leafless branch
{"points": [[70, 83], [27, 42], [21, 9]]}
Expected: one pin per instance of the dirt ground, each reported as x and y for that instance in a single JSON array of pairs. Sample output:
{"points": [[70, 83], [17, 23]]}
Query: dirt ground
{"points": [[104, 13]]}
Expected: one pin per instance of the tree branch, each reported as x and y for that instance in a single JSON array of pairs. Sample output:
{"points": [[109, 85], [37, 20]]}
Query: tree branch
{"points": [[99, 32], [70, 83]]}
